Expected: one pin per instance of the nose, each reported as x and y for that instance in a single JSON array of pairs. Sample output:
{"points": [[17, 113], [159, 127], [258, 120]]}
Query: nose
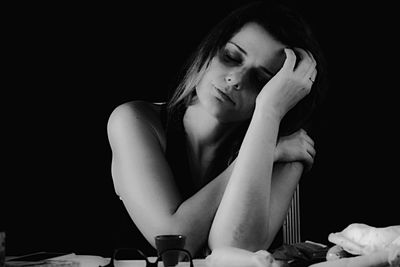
{"points": [[234, 79]]}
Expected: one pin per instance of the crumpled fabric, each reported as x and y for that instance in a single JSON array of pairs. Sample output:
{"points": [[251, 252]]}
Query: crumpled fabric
{"points": [[236, 257], [388, 257], [363, 239]]}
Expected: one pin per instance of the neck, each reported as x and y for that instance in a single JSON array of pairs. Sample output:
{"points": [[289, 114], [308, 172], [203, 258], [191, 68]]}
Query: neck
{"points": [[205, 133]]}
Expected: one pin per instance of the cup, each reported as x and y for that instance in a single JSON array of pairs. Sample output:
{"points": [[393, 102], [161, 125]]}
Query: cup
{"points": [[2, 248], [165, 242]]}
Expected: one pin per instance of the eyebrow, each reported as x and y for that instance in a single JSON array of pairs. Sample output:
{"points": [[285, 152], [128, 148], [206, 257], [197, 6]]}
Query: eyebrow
{"points": [[244, 52]]}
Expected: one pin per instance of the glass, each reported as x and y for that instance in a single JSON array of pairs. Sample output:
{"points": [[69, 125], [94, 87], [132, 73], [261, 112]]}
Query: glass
{"points": [[164, 242], [181, 255]]}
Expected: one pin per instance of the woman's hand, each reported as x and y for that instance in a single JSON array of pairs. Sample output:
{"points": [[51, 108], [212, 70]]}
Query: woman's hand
{"points": [[296, 147], [291, 83]]}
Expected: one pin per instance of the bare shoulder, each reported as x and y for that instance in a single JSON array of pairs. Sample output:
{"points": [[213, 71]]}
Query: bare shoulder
{"points": [[143, 115]]}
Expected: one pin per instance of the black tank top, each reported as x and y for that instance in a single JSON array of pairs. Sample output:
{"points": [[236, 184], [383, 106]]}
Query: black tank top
{"points": [[176, 151]]}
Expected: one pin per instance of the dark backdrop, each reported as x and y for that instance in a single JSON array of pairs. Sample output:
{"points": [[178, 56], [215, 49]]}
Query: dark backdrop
{"points": [[68, 66]]}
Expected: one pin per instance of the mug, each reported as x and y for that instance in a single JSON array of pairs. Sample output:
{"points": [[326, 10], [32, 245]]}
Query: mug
{"points": [[164, 242]]}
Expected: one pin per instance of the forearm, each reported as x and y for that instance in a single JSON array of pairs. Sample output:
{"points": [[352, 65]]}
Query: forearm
{"points": [[243, 216], [191, 217], [285, 177], [194, 216]]}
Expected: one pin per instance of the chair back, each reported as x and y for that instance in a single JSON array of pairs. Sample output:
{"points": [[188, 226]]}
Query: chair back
{"points": [[291, 225]]}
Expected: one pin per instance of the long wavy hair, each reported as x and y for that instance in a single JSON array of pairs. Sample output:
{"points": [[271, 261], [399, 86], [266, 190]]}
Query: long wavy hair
{"points": [[285, 25]]}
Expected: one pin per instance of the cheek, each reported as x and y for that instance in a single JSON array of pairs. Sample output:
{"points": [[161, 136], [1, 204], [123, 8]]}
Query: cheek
{"points": [[207, 78], [215, 70]]}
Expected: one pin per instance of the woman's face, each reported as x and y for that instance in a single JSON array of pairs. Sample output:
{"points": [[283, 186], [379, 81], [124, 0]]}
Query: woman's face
{"points": [[238, 72]]}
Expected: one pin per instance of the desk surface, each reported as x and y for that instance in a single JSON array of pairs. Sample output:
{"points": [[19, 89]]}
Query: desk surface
{"points": [[96, 261]]}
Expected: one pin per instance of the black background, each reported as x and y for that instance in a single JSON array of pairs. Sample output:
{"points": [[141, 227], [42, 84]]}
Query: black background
{"points": [[67, 66]]}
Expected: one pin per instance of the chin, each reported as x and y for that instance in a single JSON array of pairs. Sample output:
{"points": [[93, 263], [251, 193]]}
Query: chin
{"points": [[222, 111]]}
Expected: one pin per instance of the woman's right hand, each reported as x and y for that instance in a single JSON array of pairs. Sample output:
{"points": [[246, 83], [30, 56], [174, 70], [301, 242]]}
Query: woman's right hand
{"points": [[290, 84]]}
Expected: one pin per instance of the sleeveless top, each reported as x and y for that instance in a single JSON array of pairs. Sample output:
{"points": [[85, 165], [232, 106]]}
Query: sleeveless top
{"points": [[176, 152]]}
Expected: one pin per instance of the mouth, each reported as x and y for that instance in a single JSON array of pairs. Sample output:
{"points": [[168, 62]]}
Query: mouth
{"points": [[223, 95]]}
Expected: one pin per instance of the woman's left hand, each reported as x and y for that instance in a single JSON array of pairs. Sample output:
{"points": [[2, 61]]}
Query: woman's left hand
{"points": [[296, 147]]}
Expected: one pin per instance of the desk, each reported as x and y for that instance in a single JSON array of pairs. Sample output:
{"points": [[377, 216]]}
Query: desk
{"points": [[96, 261]]}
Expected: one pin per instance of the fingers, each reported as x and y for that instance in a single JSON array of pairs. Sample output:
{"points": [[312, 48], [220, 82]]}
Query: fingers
{"points": [[290, 61], [310, 144], [306, 67], [308, 162], [308, 139], [298, 146], [304, 62], [309, 149], [305, 136], [313, 76]]}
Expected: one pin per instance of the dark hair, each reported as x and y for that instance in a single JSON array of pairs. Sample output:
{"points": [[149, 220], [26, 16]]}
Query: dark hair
{"points": [[285, 25]]}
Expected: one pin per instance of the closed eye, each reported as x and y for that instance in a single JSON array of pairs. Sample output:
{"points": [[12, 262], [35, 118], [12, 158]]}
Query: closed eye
{"points": [[229, 57], [267, 71]]}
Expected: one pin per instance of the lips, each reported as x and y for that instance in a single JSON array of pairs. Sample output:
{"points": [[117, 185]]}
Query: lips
{"points": [[224, 95]]}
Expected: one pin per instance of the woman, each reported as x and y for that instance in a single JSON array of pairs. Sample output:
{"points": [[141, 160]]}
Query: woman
{"points": [[220, 163]]}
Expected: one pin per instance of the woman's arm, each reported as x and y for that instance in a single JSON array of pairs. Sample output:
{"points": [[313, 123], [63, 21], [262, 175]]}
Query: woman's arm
{"points": [[156, 213], [145, 183], [243, 217], [294, 154]]}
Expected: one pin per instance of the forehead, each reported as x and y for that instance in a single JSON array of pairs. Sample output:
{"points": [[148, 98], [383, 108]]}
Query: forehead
{"points": [[260, 45]]}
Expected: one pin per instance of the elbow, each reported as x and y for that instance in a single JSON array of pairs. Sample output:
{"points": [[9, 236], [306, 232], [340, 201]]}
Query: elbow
{"points": [[213, 241], [217, 242], [217, 239]]}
